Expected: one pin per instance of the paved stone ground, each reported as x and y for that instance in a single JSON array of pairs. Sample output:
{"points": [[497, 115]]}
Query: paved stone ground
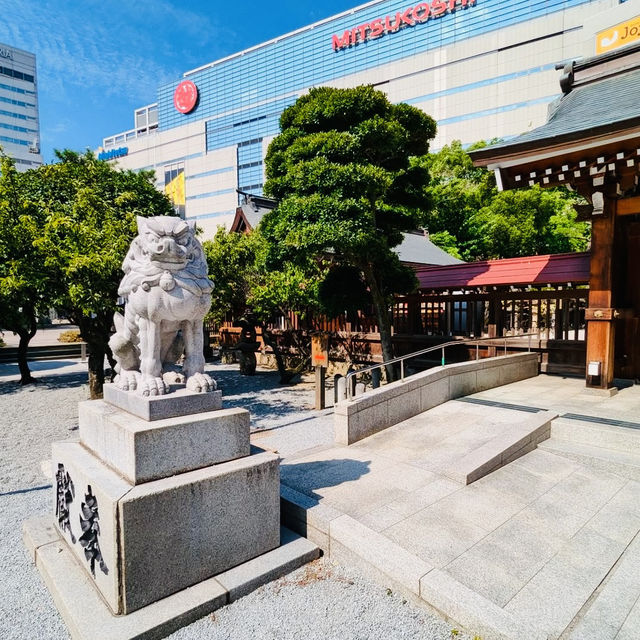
{"points": [[552, 542], [324, 600]]}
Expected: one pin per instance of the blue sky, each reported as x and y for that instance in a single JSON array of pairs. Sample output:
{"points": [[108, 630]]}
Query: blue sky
{"points": [[98, 61]]}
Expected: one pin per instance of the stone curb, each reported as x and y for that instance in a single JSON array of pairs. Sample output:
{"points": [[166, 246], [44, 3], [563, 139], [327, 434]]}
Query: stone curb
{"points": [[348, 541]]}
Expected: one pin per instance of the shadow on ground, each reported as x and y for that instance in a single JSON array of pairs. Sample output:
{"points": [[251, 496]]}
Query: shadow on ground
{"points": [[308, 477], [60, 381]]}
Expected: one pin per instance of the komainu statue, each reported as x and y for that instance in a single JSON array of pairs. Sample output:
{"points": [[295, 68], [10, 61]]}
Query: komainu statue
{"points": [[167, 294]]}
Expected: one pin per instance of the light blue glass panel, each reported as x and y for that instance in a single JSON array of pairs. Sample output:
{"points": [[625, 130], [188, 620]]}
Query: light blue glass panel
{"points": [[306, 58]]}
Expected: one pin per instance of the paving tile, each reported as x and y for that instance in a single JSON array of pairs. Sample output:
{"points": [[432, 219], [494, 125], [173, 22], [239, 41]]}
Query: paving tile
{"points": [[436, 535], [575, 572], [517, 481], [424, 496], [619, 519], [492, 581], [613, 605], [520, 547], [629, 630], [547, 465]]}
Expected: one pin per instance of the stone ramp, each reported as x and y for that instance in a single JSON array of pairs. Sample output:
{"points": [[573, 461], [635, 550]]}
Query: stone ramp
{"points": [[541, 547]]}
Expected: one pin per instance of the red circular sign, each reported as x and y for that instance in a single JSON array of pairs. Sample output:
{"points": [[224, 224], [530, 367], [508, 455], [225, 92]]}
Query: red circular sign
{"points": [[185, 96]]}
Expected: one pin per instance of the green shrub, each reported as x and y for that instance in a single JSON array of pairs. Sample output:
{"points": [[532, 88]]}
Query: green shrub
{"points": [[70, 336]]}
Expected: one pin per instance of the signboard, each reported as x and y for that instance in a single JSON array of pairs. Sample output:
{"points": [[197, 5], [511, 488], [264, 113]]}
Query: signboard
{"points": [[320, 350], [185, 97], [6, 53], [409, 17], [618, 36], [113, 153]]}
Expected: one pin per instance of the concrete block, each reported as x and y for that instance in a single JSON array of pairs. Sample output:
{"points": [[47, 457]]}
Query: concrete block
{"points": [[487, 378], [142, 451], [405, 407], [364, 423], [178, 402], [90, 492], [462, 384], [293, 552], [178, 531], [471, 610], [434, 393], [348, 536]]}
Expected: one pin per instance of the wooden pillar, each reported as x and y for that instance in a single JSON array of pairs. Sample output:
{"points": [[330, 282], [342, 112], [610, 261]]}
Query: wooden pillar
{"points": [[600, 314]]}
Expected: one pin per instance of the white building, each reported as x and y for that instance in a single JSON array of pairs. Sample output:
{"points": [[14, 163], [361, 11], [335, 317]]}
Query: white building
{"points": [[19, 121], [483, 69]]}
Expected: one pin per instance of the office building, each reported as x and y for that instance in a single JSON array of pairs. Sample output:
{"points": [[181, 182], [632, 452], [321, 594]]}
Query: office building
{"points": [[19, 121]]}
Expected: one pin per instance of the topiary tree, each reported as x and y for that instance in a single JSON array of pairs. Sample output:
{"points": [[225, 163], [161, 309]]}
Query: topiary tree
{"points": [[346, 174]]}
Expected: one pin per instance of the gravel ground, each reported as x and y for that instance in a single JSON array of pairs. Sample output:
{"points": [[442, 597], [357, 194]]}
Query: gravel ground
{"points": [[320, 601]]}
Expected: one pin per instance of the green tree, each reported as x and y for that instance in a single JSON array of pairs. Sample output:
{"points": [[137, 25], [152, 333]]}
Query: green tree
{"points": [[244, 286], [27, 287], [471, 219], [346, 174], [90, 220]]}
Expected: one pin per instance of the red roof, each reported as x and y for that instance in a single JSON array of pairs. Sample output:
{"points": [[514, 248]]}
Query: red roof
{"points": [[539, 270]]}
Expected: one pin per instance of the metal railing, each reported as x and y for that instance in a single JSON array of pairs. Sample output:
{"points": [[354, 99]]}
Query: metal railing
{"points": [[351, 383]]}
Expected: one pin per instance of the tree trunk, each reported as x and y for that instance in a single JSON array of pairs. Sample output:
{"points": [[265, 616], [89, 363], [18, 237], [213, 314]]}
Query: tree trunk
{"points": [[23, 365], [26, 333], [384, 322], [285, 375], [96, 370]]}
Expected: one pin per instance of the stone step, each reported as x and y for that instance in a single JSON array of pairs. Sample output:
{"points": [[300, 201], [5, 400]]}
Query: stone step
{"points": [[596, 434], [622, 463]]}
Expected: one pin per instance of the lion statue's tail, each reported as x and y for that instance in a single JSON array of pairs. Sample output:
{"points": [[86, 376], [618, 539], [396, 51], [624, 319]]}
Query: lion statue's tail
{"points": [[124, 342]]}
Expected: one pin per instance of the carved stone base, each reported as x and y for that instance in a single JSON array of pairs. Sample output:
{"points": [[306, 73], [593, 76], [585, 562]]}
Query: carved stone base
{"points": [[87, 616], [142, 543]]}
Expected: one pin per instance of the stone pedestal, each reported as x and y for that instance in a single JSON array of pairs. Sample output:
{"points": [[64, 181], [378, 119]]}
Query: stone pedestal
{"points": [[151, 507]]}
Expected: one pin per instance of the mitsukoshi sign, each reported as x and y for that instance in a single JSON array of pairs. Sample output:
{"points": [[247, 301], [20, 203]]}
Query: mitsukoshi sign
{"points": [[390, 24]]}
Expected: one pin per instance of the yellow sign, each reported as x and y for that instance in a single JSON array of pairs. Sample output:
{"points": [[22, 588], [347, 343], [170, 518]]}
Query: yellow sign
{"points": [[175, 189], [618, 36]]}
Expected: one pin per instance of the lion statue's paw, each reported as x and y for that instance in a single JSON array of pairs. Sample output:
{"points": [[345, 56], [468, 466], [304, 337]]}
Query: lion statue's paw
{"points": [[151, 386], [173, 377], [127, 380], [201, 383]]}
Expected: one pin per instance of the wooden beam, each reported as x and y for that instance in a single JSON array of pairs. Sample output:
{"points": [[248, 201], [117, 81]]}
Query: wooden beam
{"points": [[628, 206], [600, 333]]}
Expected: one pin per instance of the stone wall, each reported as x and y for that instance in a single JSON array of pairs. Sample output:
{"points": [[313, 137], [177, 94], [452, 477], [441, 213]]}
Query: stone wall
{"points": [[383, 407]]}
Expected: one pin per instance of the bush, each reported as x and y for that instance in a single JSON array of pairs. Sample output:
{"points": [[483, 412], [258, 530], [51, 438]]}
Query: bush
{"points": [[70, 336]]}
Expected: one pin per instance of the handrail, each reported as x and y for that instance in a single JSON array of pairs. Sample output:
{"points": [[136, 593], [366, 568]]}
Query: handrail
{"points": [[401, 359]]}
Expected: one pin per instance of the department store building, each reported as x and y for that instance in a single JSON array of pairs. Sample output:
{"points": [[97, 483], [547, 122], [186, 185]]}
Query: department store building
{"points": [[483, 69]]}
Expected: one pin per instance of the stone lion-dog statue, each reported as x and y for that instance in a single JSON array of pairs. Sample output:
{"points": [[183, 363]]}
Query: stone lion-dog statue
{"points": [[167, 294]]}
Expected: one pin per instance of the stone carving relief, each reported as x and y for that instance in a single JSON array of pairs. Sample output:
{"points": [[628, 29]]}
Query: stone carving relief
{"points": [[65, 493], [167, 294], [90, 531]]}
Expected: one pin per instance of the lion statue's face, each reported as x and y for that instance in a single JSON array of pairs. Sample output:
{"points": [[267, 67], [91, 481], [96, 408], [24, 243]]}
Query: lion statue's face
{"points": [[167, 243]]}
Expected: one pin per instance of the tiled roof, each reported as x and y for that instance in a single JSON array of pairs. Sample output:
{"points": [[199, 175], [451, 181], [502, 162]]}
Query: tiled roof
{"points": [[533, 270]]}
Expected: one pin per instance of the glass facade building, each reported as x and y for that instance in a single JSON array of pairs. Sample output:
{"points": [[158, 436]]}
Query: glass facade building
{"points": [[482, 68], [19, 121]]}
